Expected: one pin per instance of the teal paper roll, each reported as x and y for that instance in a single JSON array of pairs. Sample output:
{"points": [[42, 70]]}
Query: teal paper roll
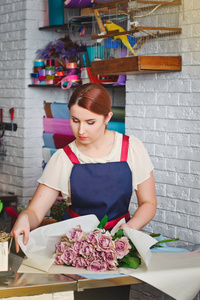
{"points": [[56, 12], [117, 126]]}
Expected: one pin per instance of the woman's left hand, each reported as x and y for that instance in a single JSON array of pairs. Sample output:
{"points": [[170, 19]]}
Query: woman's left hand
{"points": [[125, 225]]}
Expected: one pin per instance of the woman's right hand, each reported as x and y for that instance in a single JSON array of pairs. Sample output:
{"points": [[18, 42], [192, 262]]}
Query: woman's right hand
{"points": [[21, 226]]}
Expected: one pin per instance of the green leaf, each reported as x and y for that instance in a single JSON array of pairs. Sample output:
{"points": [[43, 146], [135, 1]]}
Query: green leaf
{"points": [[131, 261], [154, 234], [103, 222], [118, 234], [1, 206]]}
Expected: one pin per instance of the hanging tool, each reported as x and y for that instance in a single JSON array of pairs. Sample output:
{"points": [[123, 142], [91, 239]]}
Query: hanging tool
{"points": [[2, 128], [11, 111], [1, 135]]}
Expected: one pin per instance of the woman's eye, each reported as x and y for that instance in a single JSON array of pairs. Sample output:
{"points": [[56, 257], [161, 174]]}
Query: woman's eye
{"points": [[75, 121], [90, 123]]}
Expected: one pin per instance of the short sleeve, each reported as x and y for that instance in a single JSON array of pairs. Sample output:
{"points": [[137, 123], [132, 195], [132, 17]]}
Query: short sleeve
{"points": [[57, 173], [139, 161]]}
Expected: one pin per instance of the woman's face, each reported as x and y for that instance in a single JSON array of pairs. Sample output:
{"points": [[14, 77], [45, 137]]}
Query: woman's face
{"points": [[87, 126]]}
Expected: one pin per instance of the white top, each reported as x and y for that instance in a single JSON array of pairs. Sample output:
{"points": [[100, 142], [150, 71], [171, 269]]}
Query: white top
{"points": [[58, 169]]}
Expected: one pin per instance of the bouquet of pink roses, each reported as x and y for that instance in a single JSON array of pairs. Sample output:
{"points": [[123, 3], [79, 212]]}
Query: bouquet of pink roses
{"points": [[97, 250]]}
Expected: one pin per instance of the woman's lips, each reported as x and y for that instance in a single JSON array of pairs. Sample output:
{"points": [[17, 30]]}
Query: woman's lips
{"points": [[82, 138]]}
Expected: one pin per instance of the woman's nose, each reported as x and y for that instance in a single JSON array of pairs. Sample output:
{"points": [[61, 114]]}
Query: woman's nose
{"points": [[81, 128]]}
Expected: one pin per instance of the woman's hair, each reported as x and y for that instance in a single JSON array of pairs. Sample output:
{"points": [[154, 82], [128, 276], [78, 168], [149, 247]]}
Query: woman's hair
{"points": [[92, 96]]}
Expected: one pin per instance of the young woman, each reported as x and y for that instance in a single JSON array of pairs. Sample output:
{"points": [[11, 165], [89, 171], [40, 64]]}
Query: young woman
{"points": [[98, 171]]}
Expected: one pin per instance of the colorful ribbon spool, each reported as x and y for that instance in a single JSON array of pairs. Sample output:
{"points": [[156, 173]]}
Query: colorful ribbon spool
{"points": [[50, 72], [39, 63], [50, 63]]}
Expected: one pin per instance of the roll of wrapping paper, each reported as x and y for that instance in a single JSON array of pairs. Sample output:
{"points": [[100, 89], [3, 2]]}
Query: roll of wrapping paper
{"points": [[117, 126], [118, 114], [48, 140], [47, 109], [62, 140], [60, 110], [59, 126]]}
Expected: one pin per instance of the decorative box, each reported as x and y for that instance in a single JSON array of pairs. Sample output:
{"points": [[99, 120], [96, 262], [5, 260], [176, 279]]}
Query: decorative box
{"points": [[4, 256]]}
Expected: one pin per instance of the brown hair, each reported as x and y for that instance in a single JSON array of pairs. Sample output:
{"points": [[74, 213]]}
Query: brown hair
{"points": [[92, 96]]}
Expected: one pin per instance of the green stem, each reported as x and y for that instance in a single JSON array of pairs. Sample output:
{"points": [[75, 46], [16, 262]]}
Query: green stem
{"points": [[166, 241]]}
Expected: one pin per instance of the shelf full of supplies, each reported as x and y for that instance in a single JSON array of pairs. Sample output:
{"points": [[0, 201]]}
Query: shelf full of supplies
{"points": [[137, 65]]}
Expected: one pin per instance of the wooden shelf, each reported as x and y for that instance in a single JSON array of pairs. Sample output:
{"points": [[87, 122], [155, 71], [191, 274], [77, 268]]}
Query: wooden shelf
{"points": [[137, 65], [58, 86]]}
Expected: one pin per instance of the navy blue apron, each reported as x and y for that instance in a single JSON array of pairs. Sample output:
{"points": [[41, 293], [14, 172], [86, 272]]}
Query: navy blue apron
{"points": [[101, 188]]}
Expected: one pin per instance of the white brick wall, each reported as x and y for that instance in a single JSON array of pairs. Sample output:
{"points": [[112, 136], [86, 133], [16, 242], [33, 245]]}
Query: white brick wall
{"points": [[19, 41], [163, 111]]}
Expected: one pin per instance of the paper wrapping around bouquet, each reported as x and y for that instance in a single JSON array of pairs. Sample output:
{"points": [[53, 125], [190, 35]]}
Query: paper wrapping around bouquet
{"points": [[42, 241], [176, 274]]}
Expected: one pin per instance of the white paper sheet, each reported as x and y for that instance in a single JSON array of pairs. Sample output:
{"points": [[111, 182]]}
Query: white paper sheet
{"points": [[176, 274], [42, 241]]}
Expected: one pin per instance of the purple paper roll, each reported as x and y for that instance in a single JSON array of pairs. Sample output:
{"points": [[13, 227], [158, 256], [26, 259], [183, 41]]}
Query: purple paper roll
{"points": [[60, 126], [78, 3]]}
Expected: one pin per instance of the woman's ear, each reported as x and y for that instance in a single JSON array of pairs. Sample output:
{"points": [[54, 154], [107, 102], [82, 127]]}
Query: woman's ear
{"points": [[109, 116]]}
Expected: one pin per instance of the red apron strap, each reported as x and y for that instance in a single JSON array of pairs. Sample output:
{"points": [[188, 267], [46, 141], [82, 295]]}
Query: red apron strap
{"points": [[109, 224], [125, 144], [71, 155]]}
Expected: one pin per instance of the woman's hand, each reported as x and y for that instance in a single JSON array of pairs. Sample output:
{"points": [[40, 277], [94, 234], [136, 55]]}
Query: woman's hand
{"points": [[21, 226], [33, 215], [125, 225]]}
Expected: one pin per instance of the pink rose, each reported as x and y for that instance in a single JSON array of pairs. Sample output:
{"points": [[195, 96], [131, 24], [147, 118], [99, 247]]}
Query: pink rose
{"points": [[104, 241], [89, 259], [76, 246], [79, 262], [86, 249], [91, 236], [61, 246], [75, 234], [68, 256], [109, 256], [97, 266], [97, 254], [112, 265], [57, 259], [122, 247]]}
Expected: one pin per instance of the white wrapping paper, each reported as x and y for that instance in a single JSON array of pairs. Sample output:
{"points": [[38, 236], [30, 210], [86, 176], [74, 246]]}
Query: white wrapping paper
{"points": [[176, 274]]}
